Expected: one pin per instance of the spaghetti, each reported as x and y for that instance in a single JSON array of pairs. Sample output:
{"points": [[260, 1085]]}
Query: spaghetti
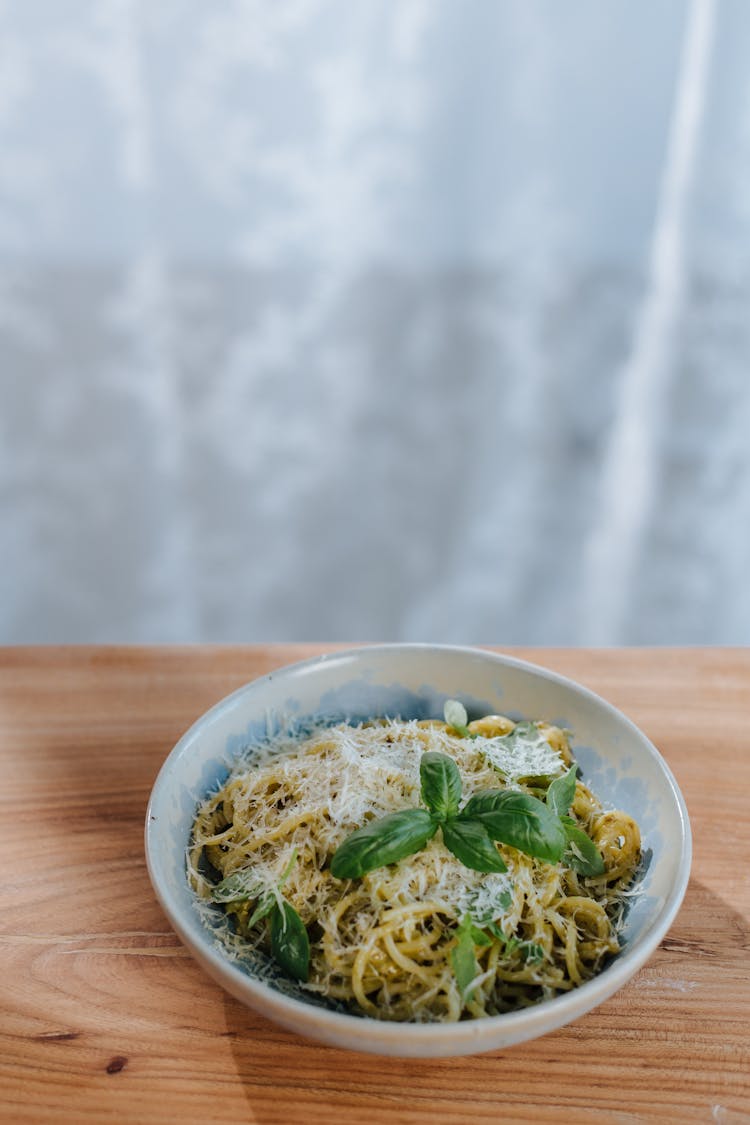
{"points": [[387, 944]]}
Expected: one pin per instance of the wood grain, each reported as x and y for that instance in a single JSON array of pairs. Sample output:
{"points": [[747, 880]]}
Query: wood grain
{"points": [[104, 1016]]}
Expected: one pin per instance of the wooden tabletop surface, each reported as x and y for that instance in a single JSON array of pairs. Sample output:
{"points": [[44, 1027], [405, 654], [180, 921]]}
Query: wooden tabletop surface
{"points": [[105, 1017]]}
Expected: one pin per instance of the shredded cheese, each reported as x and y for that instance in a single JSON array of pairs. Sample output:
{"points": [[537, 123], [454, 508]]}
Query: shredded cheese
{"points": [[383, 942]]}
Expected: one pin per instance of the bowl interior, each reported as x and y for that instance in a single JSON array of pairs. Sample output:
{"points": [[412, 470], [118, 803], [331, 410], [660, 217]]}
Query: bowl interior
{"points": [[413, 681]]}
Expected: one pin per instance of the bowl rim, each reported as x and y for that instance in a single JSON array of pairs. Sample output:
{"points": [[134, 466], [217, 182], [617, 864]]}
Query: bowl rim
{"points": [[517, 1026]]}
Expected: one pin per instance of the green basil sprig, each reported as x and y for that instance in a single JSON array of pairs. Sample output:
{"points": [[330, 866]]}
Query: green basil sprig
{"points": [[562, 791], [441, 784], [470, 842], [290, 945], [383, 841], [517, 822], [239, 887], [581, 853], [531, 951], [543, 829], [496, 816], [455, 716], [469, 935], [520, 820], [463, 957]]}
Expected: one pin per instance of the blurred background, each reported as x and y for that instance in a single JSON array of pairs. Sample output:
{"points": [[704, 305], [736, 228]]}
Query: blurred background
{"points": [[324, 320]]}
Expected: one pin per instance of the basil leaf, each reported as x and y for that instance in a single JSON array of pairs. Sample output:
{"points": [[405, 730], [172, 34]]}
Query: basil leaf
{"points": [[509, 943], [582, 853], [265, 905], [531, 951], [504, 900], [491, 906], [496, 932], [290, 944], [464, 964], [463, 958], [455, 716], [479, 937], [470, 843], [383, 841], [520, 820], [562, 791], [441, 784], [239, 887]]}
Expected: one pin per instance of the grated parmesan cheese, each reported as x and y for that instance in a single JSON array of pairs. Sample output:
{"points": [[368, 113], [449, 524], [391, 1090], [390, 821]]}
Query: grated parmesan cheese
{"points": [[306, 796]]}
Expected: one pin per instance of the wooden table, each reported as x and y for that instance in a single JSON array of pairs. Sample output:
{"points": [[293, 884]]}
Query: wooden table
{"points": [[105, 1017]]}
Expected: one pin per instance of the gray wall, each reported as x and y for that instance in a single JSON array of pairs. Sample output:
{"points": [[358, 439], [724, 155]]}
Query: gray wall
{"points": [[421, 321]]}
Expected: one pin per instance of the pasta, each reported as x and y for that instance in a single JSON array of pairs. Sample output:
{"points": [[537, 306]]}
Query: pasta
{"points": [[426, 938]]}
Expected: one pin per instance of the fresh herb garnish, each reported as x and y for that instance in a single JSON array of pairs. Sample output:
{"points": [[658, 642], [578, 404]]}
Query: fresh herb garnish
{"points": [[265, 905], [470, 834], [581, 853], [267, 899], [463, 957], [496, 932], [290, 944], [531, 951], [441, 784], [471, 843], [504, 900], [562, 791], [383, 841], [455, 716], [520, 820], [542, 829], [469, 936], [242, 886]]}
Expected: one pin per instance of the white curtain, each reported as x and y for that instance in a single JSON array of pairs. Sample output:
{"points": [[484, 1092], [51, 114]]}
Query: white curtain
{"points": [[412, 321]]}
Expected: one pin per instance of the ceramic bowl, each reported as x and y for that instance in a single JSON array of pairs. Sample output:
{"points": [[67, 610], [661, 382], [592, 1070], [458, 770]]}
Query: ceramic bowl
{"points": [[413, 681]]}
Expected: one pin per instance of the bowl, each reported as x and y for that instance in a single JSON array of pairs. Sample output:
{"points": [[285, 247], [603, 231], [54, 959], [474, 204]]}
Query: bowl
{"points": [[413, 681]]}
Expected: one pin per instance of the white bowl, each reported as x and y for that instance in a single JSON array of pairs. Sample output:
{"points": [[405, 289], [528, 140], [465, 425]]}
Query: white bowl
{"points": [[619, 763]]}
